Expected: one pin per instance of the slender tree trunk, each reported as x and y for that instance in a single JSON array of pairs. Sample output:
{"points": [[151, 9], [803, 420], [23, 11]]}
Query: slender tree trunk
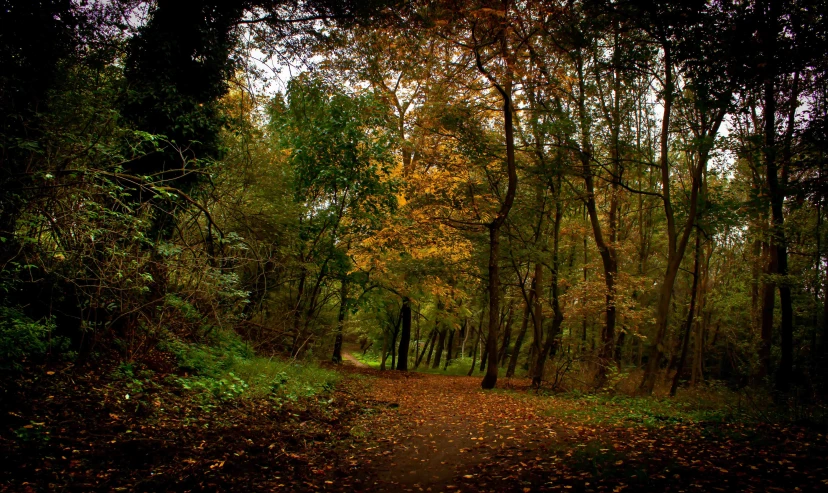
{"points": [[557, 318], [417, 340], [441, 345], [467, 330], [297, 312], [340, 322], [428, 346], [619, 346], [510, 371], [689, 322], [474, 352], [484, 356], [507, 335], [606, 249], [405, 337], [697, 375], [766, 319], [433, 342], [505, 90], [448, 352], [393, 350], [677, 245], [384, 353]]}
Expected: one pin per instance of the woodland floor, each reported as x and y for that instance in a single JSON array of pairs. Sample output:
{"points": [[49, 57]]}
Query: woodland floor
{"points": [[381, 431]]}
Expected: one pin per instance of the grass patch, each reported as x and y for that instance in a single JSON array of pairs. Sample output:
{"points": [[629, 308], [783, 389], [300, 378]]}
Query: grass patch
{"points": [[227, 369], [458, 367], [651, 412], [369, 359]]}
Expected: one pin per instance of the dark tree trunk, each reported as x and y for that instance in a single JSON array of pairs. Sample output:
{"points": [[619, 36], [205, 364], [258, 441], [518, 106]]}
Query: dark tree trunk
{"points": [[510, 371], [450, 344], [441, 344], [505, 91], [606, 248], [393, 349], [429, 346], [619, 346], [507, 335], [384, 353], [689, 322], [484, 357], [557, 317], [405, 337], [474, 352], [340, 322]]}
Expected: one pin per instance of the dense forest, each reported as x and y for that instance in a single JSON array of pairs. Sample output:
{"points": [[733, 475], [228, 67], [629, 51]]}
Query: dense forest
{"points": [[222, 200]]}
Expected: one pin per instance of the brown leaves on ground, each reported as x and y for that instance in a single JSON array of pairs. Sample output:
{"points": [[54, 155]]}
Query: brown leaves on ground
{"points": [[77, 431], [435, 433], [381, 431]]}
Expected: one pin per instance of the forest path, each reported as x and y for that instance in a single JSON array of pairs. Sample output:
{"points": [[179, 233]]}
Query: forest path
{"points": [[350, 359], [434, 433]]}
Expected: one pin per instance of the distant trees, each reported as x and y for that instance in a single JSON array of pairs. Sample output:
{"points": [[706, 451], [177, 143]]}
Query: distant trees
{"points": [[521, 182]]}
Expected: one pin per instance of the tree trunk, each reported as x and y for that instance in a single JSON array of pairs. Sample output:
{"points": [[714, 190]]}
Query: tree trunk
{"points": [[510, 371], [405, 337], [619, 346], [490, 379], [507, 335], [448, 352], [776, 190], [393, 348], [677, 245], [428, 346], [557, 317], [474, 352], [688, 324], [484, 357], [340, 322], [605, 249], [384, 353], [441, 343]]}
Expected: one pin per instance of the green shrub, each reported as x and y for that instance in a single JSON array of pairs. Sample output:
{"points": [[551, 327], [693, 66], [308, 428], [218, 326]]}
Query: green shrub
{"points": [[228, 369], [22, 338]]}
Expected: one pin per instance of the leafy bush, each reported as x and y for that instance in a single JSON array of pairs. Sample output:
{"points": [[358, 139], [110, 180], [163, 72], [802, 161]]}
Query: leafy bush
{"points": [[22, 338], [228, 369]]}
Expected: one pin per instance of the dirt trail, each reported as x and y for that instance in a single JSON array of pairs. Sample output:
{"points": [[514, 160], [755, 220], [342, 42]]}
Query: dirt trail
{"points": [[436, 433], [430, 432], [350, 359]]}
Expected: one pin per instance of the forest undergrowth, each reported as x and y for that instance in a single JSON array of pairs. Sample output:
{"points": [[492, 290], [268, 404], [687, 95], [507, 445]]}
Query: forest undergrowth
{"points": [[217, 417]]}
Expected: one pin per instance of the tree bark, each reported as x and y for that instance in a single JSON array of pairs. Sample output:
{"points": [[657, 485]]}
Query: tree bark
{"points": [[441, 343], [405, 337], [384, 353], [448, 352], [557, 317], [429, 346], [606, 249], [510, 371], [505, 91], [507, 335], [340, 322], [689, 322], [677, 245], [474, 352]]}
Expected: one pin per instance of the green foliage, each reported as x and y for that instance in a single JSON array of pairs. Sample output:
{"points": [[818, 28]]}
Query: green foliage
{"points": [[715, 406], [228, 369], [458, 367], [340, 156], [22, 338]]}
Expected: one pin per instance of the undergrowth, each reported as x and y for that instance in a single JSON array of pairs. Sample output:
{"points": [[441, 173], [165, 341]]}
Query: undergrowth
{"points": [[226, 369], [619, 409]]}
